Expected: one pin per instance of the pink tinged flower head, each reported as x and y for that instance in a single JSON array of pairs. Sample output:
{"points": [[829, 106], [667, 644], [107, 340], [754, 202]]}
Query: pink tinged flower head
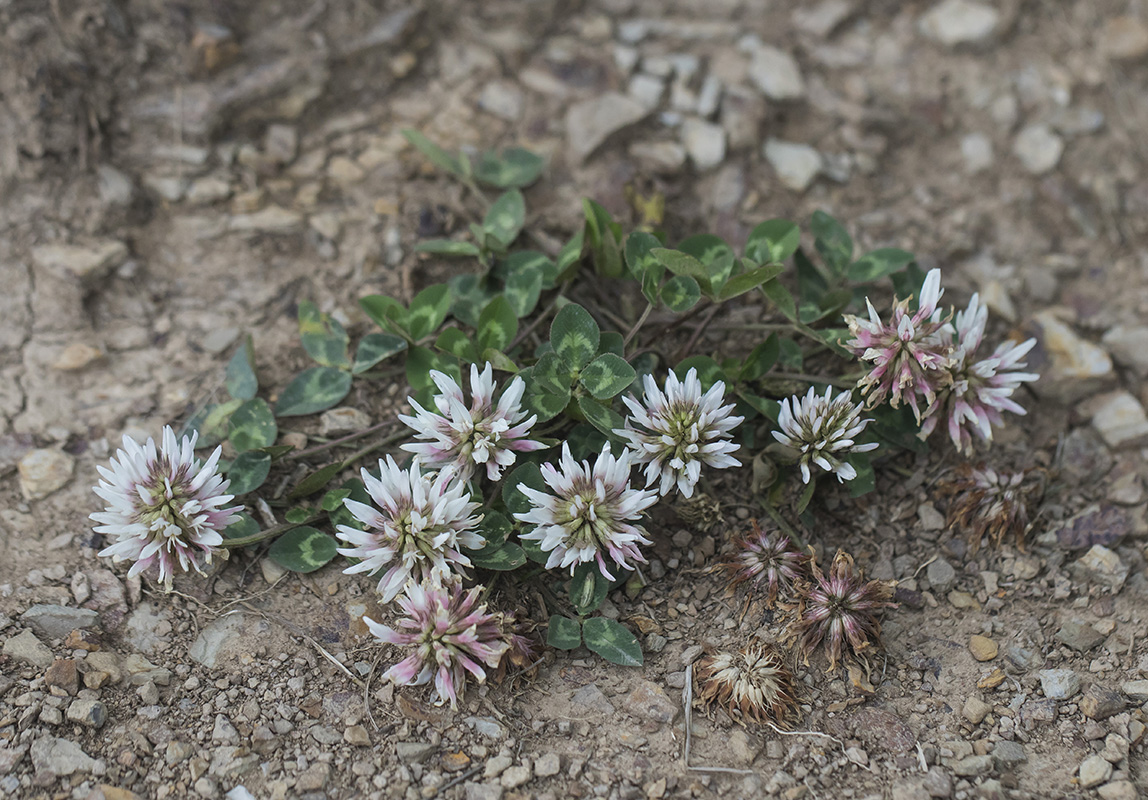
{"points": [[416, 525], [766, 560], [164, 507], [464, 437], [677, 431], [979, 391], [451, 636], [909, 353], [589, 513], [840, 611], [823, 430]]}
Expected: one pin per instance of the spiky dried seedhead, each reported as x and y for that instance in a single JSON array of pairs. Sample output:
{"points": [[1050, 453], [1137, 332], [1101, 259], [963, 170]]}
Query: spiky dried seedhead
{"points": [[752, 684], [768, 560], [987, 502], [840, 610]]}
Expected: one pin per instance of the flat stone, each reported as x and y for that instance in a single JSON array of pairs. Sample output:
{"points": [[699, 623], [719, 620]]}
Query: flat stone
{"points": [[482, 791], [1059, 684], [659, 157], [516, 776], [324, 734], [590, 123], [89, 713], [1094, 771], [1070, 367], [976, 710], [1007, 754], [1118, 790], [548, 765], [503, 99], [414, 752], [1103, 566], [43, 471], [797, 165], [705, 143], [1095, 525], [1079, 636], [139, 671], [937, 783], [224, 732], [971, 766], [148, 628], [486, 726], [1038, 148], [1099, 703], [76, 357], [1137, 691], [960, 22], [1120, 420], [590, 698], [941, 575], [27, 648], [983, 648], [85, 261], [281, 143], [647, 90], [1116, 748], [56, 622], [357, 735], [340, 421], [273, 219], [59, 757], [63, 675], [649, 700], [215, 638], [776, 73], [1124, 39], [977, 151], [1128, 344]]}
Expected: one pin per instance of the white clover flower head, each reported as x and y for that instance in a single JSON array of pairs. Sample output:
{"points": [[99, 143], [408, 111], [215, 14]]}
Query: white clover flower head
{"points": [[417, 524], [823, 430], [979, 391], [674, 433], [452, 635], [165, 508], [910, 353], [462, 437], [589, 513]]}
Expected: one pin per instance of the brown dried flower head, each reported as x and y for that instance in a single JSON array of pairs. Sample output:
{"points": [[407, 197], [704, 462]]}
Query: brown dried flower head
{"points": [[767, 560], [753, 684], [701, 511], [840, 610], [989, 502]]}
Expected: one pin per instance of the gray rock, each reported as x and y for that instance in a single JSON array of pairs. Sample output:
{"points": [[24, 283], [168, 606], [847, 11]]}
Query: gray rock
{"points": [[591, 122], [281, 143], [941, 575], [1118, 790], [548, 765], [660, 157], [148, 628], [1103, 566], [1079, 636], [516, 776], [1059, 684], [273, 219], [27, 648], [960, 22], [486, 726], [1136, 690], [650, 701], [1120, 420], [776, 74], [224, 732], [796, 165], [503, 99], [86, 261], [414, 752], [324, 734], [1007, 755], [213, 639], [1128, 344], [56, 622], [1038, 148], [938, 783], [59, 757], [43, 471], [709, 97], [89, 713], [1094, 771], [340, 421], [169, 187], [482, 791], [971, 766], [705, 143], [590, 698], [116, 188], [647, 90], [977, 151]]}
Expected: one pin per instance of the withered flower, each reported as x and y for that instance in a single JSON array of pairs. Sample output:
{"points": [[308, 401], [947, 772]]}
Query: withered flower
{"points": [[768, 560], [840, 610], [753, 684], [988, 502]]}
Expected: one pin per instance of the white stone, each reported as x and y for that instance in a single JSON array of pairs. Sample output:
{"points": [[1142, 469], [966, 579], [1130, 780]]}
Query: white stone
{"points": [[1120, 419], [958, 22], [81, 260], [705, 143], [709, 97], [660, 157], [977, 151], [797, 165], [591, 122], [273, 219], [1059, 684], [647, 90], [502, 99], [1129, 346], [1094, 771], [1073, 367], [339, 421], [1103, 566], [776, 73], [44, 471], [1038, 148]]}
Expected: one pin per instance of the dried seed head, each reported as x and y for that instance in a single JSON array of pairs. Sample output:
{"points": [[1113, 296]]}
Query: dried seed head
{"points": [[840, 610], [989, 502], [753, 684], [768, 560], [700, 511]]}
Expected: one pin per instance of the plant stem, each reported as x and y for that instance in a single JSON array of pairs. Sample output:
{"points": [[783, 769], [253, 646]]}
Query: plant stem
{"points": [[268, 533], [394, 437], [336, 442], [637, 325], [706, 320], [785, 526]]}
